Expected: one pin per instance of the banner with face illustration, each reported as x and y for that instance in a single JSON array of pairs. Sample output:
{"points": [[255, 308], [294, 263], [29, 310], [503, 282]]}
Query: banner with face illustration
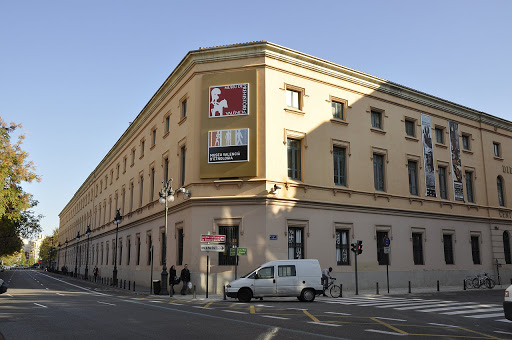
{"points": [[458, 188], [226, 146], [229, 100], [428, 156]]}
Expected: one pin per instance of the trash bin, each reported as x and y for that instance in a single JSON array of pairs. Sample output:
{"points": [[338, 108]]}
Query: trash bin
{"points": [[156, 287]]}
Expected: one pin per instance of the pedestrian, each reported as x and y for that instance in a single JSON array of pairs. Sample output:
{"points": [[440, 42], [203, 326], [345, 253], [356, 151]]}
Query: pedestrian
{"points": [[326, 275], [172, 280], [185, 278], [95, 272]]}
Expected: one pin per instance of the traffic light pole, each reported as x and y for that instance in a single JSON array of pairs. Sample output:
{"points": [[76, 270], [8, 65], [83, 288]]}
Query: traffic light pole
{"points": [[355, 262]]}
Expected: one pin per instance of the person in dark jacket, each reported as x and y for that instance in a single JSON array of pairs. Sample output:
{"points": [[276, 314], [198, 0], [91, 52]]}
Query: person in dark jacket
{"points": [[185, 278], [172, 280]]}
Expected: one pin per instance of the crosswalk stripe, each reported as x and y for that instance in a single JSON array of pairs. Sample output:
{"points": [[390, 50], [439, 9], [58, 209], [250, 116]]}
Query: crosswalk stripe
{"points": [[485, 316], [447, 303], [406, 304], [473, 311], [454, 306]]}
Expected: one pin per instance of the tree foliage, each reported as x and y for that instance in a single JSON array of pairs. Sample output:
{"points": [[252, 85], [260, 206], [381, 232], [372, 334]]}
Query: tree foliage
{"points": [[48, 248], [16, 218]]}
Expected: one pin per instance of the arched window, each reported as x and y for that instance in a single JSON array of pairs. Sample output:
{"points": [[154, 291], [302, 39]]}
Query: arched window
{"points": [[501, 197], [506, 247]]}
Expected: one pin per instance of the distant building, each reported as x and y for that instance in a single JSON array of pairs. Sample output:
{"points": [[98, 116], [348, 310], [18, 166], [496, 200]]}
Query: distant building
{"points": [[292, 156]]}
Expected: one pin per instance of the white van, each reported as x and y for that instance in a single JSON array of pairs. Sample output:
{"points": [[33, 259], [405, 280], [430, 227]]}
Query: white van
{"points": [[300, 278]]}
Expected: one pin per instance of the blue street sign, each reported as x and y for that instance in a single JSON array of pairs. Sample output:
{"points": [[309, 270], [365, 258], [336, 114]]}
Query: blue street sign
{"points": [[387, 242], [273, 237]]}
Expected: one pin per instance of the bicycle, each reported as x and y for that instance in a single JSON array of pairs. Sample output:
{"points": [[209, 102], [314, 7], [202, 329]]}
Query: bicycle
{"points": [[483, 280], [334, 290]]}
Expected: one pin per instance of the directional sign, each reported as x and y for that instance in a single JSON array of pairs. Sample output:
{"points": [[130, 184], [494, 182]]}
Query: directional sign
{"points": [[213, 247], [387, 250], [387, 241], [242, 251], [213, 238]]}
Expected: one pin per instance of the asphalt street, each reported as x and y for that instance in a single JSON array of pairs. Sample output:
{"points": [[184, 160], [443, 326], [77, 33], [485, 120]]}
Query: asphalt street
{"points": [[41, 305]]}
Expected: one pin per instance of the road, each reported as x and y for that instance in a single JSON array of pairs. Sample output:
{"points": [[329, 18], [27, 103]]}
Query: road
{"points": [[40, 305]]}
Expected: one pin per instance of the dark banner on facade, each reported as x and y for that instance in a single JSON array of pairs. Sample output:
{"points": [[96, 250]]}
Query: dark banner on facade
{"points": [[226, 146], [229, 100], [428, 156], [458, 188]]}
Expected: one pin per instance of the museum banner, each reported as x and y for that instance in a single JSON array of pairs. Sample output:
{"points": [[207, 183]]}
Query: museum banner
{"points": [[458, 189], [229, 100], [428, 156], [226, 146]]}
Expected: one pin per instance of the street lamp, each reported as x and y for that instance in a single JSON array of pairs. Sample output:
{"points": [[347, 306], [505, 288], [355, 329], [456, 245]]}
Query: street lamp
{"points": [[117, 220], [76, 253], [166, 196], [87, 232], [65, 256]]}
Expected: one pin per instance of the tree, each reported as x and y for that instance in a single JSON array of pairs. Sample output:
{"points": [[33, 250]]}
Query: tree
{"points": [[16, 218], [48, 248]]}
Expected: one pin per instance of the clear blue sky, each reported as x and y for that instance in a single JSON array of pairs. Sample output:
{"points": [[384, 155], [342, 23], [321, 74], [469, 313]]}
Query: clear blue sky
{"points": [[75, 73]]}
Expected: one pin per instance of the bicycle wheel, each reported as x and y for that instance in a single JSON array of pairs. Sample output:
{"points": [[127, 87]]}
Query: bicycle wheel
{"points": [[469, 283], [475, 283], [490, 283], [335, 291]]}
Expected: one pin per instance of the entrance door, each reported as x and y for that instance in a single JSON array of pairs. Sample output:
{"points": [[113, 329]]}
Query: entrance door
{"points": [[265, 282]]}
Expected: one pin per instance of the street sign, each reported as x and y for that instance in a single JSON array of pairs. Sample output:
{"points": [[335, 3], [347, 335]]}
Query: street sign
{"points": [[387, 250], [232, 251], [387, 241], [242, 251], [273, 237], [213, 247], [213, 238]]}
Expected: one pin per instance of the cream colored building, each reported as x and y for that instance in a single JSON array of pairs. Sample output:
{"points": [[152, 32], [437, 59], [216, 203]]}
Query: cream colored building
{"points": [[345, 153]]}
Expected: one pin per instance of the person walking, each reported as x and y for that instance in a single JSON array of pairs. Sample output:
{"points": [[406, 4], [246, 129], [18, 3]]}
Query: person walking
{"points": [[326, 275], [95, 272], [185, 278], [172, 280]]}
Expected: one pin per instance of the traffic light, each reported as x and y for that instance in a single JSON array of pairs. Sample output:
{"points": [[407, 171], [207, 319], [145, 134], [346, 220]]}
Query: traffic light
{"points": [[354, 247], [359, 247]]}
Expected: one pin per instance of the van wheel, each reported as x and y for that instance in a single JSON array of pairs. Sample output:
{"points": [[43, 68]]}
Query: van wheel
{"points": [[244, 295], [308, 295]]}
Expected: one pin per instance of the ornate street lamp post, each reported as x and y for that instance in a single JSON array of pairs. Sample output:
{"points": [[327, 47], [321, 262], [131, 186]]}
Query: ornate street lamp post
{"points": [[117, 220], [88, 233], [76, 253]]}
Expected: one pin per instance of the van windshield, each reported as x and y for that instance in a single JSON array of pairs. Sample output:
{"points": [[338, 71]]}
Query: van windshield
{"points": [[251, 272]]}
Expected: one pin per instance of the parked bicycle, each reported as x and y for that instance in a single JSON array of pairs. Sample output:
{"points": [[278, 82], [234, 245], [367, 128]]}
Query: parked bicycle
{"points": [[479, 281], [334, 290]]}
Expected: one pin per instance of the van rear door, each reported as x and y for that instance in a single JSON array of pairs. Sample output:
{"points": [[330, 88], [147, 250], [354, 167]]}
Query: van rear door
{"points": [[265, 282], [287, 280]]}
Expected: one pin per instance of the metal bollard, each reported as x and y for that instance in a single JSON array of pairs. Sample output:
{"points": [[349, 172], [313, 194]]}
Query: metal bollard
{"points": [[341, 289], [437, 285], [133, 285], [464, 284], [377, 288], [124, 287], [224, 292], [194, 291], [409, 286], [129, 285]]}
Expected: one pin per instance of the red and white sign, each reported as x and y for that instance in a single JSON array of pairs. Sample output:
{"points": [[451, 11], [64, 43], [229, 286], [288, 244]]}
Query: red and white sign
{"points": [[213, 238], [229, 100]]}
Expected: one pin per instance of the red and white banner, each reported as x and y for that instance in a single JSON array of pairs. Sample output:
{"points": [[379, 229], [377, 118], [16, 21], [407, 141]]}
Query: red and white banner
{"points": [[229, 100], [213, 238]]}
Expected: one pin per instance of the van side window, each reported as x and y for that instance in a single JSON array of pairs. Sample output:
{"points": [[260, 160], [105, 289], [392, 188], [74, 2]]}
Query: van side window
{"points": [[285, 271], [266, 273]]}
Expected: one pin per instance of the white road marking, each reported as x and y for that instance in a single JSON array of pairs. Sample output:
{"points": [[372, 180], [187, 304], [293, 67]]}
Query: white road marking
{"points": [[264, 306], [443, 325], [503, 320], [337, 313], [378, 317], [61, 294], [46, 288], [383, 332], [484, 316], [156, 301], [176, 304], [40, 305], [297, 309], [473, 311], [9, 295], [269, 335], [275, 317], [446, 303], [86, 289], [106, 303], [233, 311], [503, 332], [469, 305], [202, 307], [324, 324]]}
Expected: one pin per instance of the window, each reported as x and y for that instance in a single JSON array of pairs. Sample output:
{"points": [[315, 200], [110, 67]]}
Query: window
{"points": [[120, 251], [152, 184], [102, 254], [265, 273], [409, 128], [153, 138], [294, 159], [501, 197], [342, 248], [131, 196], [106, 260], [117, 176], [293, 99], [167, 124], [465, 142], [123, 194], [184, 108], [469, 187], [382, 257], [142, 146], [338, 110], [295, 243], [439, 135], [475, 249], [124, 165], [133, 157], [378, 172], [448, 249], [338, 155], [97, 254], [150, 249], [376, 119], [162, 247], [506, 247], [442, 183], [231, 233], [183, 158], [180, 247], [412, 167], [283, 271], [166, 170], [496, 149], [129, 252], [417, 248], [141, 194], [138, 250]]}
